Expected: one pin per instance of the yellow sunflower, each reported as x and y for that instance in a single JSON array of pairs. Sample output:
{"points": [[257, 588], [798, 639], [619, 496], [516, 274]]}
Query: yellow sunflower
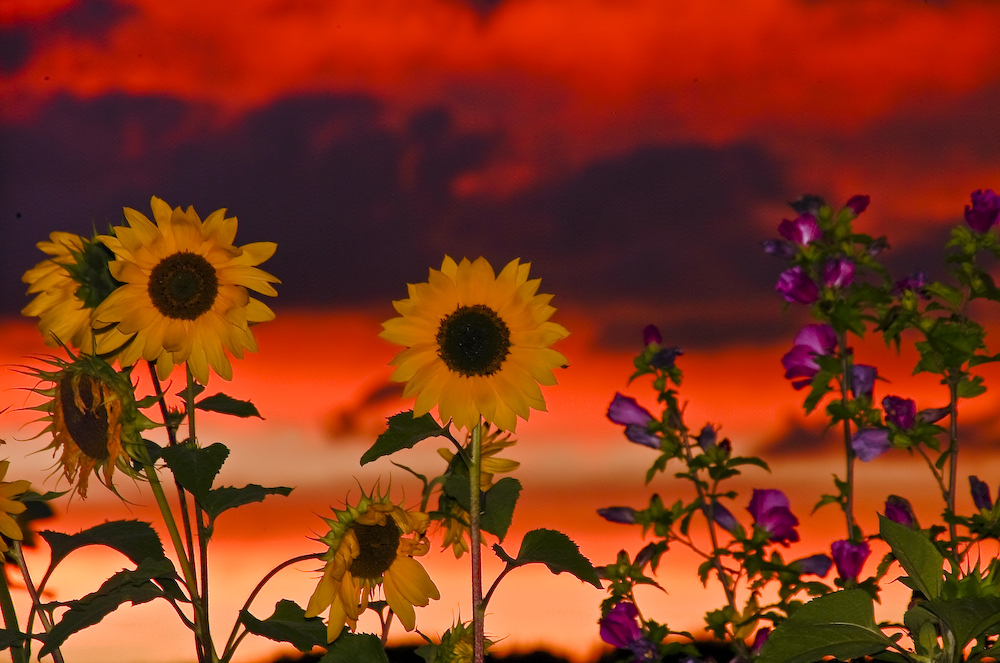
{"points": [[184, 295], [477, 344], [373, 544], [10, 507]]}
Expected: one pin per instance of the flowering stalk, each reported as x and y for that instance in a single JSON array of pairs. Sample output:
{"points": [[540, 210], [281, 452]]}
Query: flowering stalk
{"points": [[478, 606], [845, 388]]}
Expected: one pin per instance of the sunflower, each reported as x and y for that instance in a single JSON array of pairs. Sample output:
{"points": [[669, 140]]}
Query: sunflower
{"points": [[477, 344], [10, 507], [93, 417], [184, 295], [372, 544], [456, 644]]}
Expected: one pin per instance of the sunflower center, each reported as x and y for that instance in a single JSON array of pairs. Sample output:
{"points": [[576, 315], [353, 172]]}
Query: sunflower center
{"points": [[378, 544], [473, 340], [86, 420], [183, 286]]}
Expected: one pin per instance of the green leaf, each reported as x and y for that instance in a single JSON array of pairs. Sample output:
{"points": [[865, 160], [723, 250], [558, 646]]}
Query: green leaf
{"points": [[222, 499], [916, 554], [135, 539], [196, 468], [355, 648], [969, 618], [403, 432], [226, 404], [498, 506], [11, 637], [556, 551], [288, 624], [456, 486]]}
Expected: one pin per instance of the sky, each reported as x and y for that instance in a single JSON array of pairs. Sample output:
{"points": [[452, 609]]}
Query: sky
{"points": [[635, 152]]}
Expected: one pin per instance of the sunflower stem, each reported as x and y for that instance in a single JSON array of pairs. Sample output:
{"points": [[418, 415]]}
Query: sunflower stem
{"points": [[478, 606], [18, 653], [18, 554]]}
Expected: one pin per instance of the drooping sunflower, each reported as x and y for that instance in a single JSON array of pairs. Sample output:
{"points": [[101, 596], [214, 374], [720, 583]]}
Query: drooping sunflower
{"points": [[94, 419], [477, 344], [10, 507], [372, 544], [184, 295]]}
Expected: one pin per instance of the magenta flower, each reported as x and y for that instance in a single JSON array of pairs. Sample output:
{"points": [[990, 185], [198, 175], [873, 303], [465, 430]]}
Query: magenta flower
{"points": [[915, 282], [624, 515], [796, 286], [984, 211], [838, 273], [849, 558], [778, 248], [799, 362], [900, 412], [899, 510], [770, 511], [723, 517], [759, 639], [802, 231], [858, 204], [619, 628], [818, 565], [870, 443], [863, 380], [627, 412], [651, 334], [981, 497]]}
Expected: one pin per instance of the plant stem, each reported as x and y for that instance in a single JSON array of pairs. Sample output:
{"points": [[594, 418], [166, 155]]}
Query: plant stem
{"points": [[953, 460], [845, 388], [478, 607], [18, 653], [35, 598]]}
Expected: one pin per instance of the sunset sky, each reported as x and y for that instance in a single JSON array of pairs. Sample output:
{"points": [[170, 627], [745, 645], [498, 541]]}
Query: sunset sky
{"points": [[635, 152]]}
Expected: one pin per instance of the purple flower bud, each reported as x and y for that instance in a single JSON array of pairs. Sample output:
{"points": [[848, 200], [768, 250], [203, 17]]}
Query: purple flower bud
{"points": [[802, 231], [644, 556], [838, 273], [863, 380], [808, 204], [665, 357], [878, 246], [707, 437], [870, 443], [723, 517], [914, 281], [778, 248], [618, 514], [849, 558], [817, 565], [858, 204], [619, 628], [651, 334], [981, 497], [899, 510], [759, 639], [770, 511], [795, 286], [901, 412], [641, 435], [726, 446], [800, 365], [984, 211], [624, 410], [932, 415]]}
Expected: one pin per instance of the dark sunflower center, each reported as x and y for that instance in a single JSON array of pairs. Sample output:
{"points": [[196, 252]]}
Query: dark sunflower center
{"points": [[88, 427], [378, 544], [473, 340], [183, 286]]}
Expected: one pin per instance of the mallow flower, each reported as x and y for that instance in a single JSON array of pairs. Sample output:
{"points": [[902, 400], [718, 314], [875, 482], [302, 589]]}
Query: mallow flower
{"points": [[771, 513], [858, 203], [984, 211], [870, 443], [799, 362], [901, 412], [723, 517], [796, 286], [818, 564], [802, 231], [778, 248], [863, 380], [899, 510], [915, 282], [627, 412], [620, 629], [664, 358], [981, 497], [651, 334], [849, 557], [624, 515], [838, 273]]}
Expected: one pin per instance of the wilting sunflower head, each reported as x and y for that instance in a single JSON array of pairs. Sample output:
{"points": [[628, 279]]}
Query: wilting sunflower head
{"points": [[372, 544], [92, 414], [477, 343], [67, 287], [185, 287], [10, 507]]}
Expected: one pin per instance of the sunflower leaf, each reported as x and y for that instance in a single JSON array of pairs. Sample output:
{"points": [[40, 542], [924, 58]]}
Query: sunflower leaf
{"points": [[558, 552], [135, 539], [226, 404], [11, 637], [498, 506], [288, 623], [222, 499], [196, 468], [354, 647], [403, 432]]}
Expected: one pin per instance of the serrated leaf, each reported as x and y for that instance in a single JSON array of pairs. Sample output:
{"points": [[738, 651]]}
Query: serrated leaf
{"points": [[504, 557], [355, 648], [196, 468], [222, 499], [969, 618], [558, 552], [916, 554], [225, 404], [288, 623], [11, 637], [403, 432], [498, 506], [135, 539]]}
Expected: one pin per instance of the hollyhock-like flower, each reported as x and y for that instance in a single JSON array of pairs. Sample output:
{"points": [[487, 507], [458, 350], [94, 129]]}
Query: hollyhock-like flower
{"points": [[627, 412], [802, 231], [901, 412], [984, 211], [624, 515], [771, 512], [818, 565], [981, 497], [863, 380], [877, 246], [759, 639], [620, 629], [796, 286], [932, 415], [849, 558], [723, 517], [800, 365], [899, 510], [858, 204], [914, 282], [665, 357], [870, 443], [838, 273], [707, 438], [651, 334]]}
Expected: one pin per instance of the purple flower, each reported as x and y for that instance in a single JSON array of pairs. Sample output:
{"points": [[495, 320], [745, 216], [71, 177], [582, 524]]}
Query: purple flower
{"points": [[981, 497], [838, 273], [849, 558], [636, 419], [707, 437], [723, 517], [665, 357], [800, 365], [863, 380], [899, 510], [983, 213], [870, 443], [778, 248], [795, 286], [808, 204], [644, 556], [618, 514], [933, 415], [858, 204], [802, 231], [914, 281], [619, 628], [901, 412], [878, 246], [651, 334], [770, 511], [759, 639], [818, 565]]}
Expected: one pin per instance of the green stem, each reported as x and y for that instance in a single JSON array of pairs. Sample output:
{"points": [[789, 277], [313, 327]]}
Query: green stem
{"points": [[17, 652], [845, 388], [35, 598], [953, 461], [478, 606]]}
